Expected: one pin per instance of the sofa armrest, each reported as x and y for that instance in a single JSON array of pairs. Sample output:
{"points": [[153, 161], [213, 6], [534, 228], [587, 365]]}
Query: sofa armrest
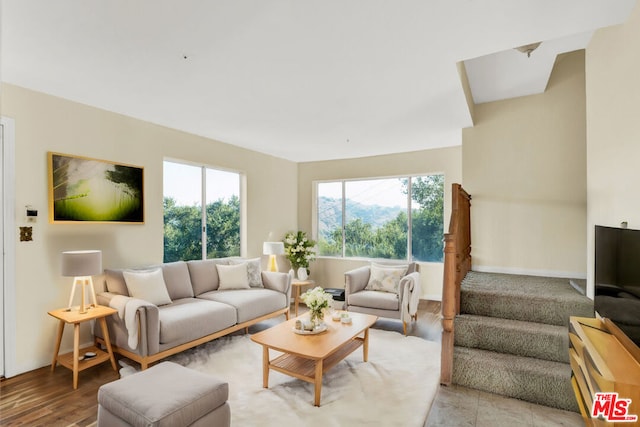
{"points": [[104, 298], [148, 323], [410, 291], [277, 281], [356, 280]]}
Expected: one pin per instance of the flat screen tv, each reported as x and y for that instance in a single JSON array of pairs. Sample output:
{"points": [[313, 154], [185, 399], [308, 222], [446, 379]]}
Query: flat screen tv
{"points": [[617, 278]]}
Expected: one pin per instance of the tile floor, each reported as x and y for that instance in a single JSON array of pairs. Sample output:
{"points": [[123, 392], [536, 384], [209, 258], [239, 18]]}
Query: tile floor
{"points": [[461, 407]]}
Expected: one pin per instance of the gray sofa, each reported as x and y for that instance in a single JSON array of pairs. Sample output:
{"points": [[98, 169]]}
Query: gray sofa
{"points": [[198, 311]]}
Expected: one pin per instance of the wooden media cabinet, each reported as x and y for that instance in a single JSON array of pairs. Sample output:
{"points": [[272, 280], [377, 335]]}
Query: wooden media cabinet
{"points": [[603, 359]]}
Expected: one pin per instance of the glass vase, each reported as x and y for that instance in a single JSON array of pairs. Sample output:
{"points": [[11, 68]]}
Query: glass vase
{"points": [[316, 317]]}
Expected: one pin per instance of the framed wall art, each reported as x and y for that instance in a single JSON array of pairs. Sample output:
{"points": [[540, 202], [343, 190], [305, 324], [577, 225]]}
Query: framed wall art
{"points": [[82, 189]]}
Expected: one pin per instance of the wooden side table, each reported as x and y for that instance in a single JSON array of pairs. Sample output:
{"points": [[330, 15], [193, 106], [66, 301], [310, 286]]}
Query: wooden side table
{"points": [[70, 360], [297, 284]]}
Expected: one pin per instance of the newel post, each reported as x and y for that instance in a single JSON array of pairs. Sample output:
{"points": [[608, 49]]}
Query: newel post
{"points": [[449, 304]]}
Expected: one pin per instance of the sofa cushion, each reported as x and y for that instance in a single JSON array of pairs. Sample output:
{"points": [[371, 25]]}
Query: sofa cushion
{"points": [[233, 276], [191, 318], [250, 303], [254, 271], [386, 278], [115, 282], [375, 299], [147, 285], [177, 279], [204, 275]]}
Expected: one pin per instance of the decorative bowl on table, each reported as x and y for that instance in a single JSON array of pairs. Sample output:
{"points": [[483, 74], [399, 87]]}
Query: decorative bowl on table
{"points": [[306, 327]]}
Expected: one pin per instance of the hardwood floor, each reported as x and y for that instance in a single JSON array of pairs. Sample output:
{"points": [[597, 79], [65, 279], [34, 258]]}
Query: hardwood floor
{"points": [[45, 398]]}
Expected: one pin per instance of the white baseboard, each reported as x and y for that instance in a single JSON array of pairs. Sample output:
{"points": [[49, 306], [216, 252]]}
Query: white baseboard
{"points": [[527, 272], [432, 297]]}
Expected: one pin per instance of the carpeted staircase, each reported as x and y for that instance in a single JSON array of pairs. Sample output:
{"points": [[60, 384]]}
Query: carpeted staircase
{"points": [[511, 337]]}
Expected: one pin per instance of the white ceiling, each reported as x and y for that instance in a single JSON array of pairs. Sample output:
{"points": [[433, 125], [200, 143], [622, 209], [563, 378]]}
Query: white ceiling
{"points": [[303, 80]]}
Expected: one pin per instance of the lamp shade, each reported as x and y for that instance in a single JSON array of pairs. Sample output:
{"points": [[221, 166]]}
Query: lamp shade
{"points": [[81, 263], [273, 248]]}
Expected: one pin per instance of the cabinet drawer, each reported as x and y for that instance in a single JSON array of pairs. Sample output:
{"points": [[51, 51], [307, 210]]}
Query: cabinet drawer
{"points": [[578, 371], [576, 344]]}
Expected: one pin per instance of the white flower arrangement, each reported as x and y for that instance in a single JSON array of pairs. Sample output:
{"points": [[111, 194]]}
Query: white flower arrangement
{"points": [[299, 249], [317, 300]]}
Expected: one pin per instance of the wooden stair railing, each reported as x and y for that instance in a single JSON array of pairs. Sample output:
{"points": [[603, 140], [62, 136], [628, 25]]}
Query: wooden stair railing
{"points": [[457, 262]]}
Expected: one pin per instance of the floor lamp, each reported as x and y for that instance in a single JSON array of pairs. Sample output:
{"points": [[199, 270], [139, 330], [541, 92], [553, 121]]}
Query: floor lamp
{"points": [[272, 249], [81, 265]]}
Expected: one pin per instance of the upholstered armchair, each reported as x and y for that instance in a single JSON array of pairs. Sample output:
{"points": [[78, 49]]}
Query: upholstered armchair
{"points": [[384, 290]]}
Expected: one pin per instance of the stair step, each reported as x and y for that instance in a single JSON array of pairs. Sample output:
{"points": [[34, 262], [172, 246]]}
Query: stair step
{"points": [[527, 298], [548, 342], [533, 380]]}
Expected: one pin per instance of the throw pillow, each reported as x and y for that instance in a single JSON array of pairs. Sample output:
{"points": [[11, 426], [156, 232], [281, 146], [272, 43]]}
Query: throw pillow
{"points": [[386, 278], [254, 271], [233, 276], [115, 282], [147, 285]]}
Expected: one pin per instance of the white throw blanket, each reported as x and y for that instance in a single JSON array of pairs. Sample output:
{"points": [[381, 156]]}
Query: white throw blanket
{"points": [[410, 302], [127, 308]]}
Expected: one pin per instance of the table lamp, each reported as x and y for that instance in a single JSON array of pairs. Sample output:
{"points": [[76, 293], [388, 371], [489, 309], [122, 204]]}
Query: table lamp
{"points": [[81, 265], [272, 249]]}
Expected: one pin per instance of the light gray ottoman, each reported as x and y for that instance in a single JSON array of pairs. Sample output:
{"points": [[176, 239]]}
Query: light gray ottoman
{"points": [[164, 395]]}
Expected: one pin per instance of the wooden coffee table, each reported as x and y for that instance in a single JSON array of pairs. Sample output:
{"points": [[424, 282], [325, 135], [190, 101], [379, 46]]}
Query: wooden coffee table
{"points": [[308, 357]]}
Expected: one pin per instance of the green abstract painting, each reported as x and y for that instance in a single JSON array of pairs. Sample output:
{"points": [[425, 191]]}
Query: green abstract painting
{"points": [[84, 189]]}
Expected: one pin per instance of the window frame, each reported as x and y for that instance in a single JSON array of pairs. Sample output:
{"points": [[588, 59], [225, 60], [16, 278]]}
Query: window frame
{"points": [[408, 207], [203, 199]]}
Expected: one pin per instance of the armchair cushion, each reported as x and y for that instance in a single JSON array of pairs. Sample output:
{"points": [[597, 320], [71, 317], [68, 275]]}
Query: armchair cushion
{"points": [[386, 278], [375, 300]]}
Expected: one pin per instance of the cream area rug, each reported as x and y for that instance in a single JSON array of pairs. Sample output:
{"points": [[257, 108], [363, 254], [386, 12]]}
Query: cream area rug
{"points": [[394, 388]]}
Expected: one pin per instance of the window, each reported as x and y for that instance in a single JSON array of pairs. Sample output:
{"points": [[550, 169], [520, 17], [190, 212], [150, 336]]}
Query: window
{"points": [[201, 210], [382, 218]]}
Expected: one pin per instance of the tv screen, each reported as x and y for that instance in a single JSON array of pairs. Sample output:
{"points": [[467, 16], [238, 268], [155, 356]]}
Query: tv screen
{"points": [[617, 278]]}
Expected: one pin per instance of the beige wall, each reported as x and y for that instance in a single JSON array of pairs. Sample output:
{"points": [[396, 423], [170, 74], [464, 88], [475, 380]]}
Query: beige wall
{"points": [[613, 129], [44, 123], [524, 165], [468, 95], [329, 272]]}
